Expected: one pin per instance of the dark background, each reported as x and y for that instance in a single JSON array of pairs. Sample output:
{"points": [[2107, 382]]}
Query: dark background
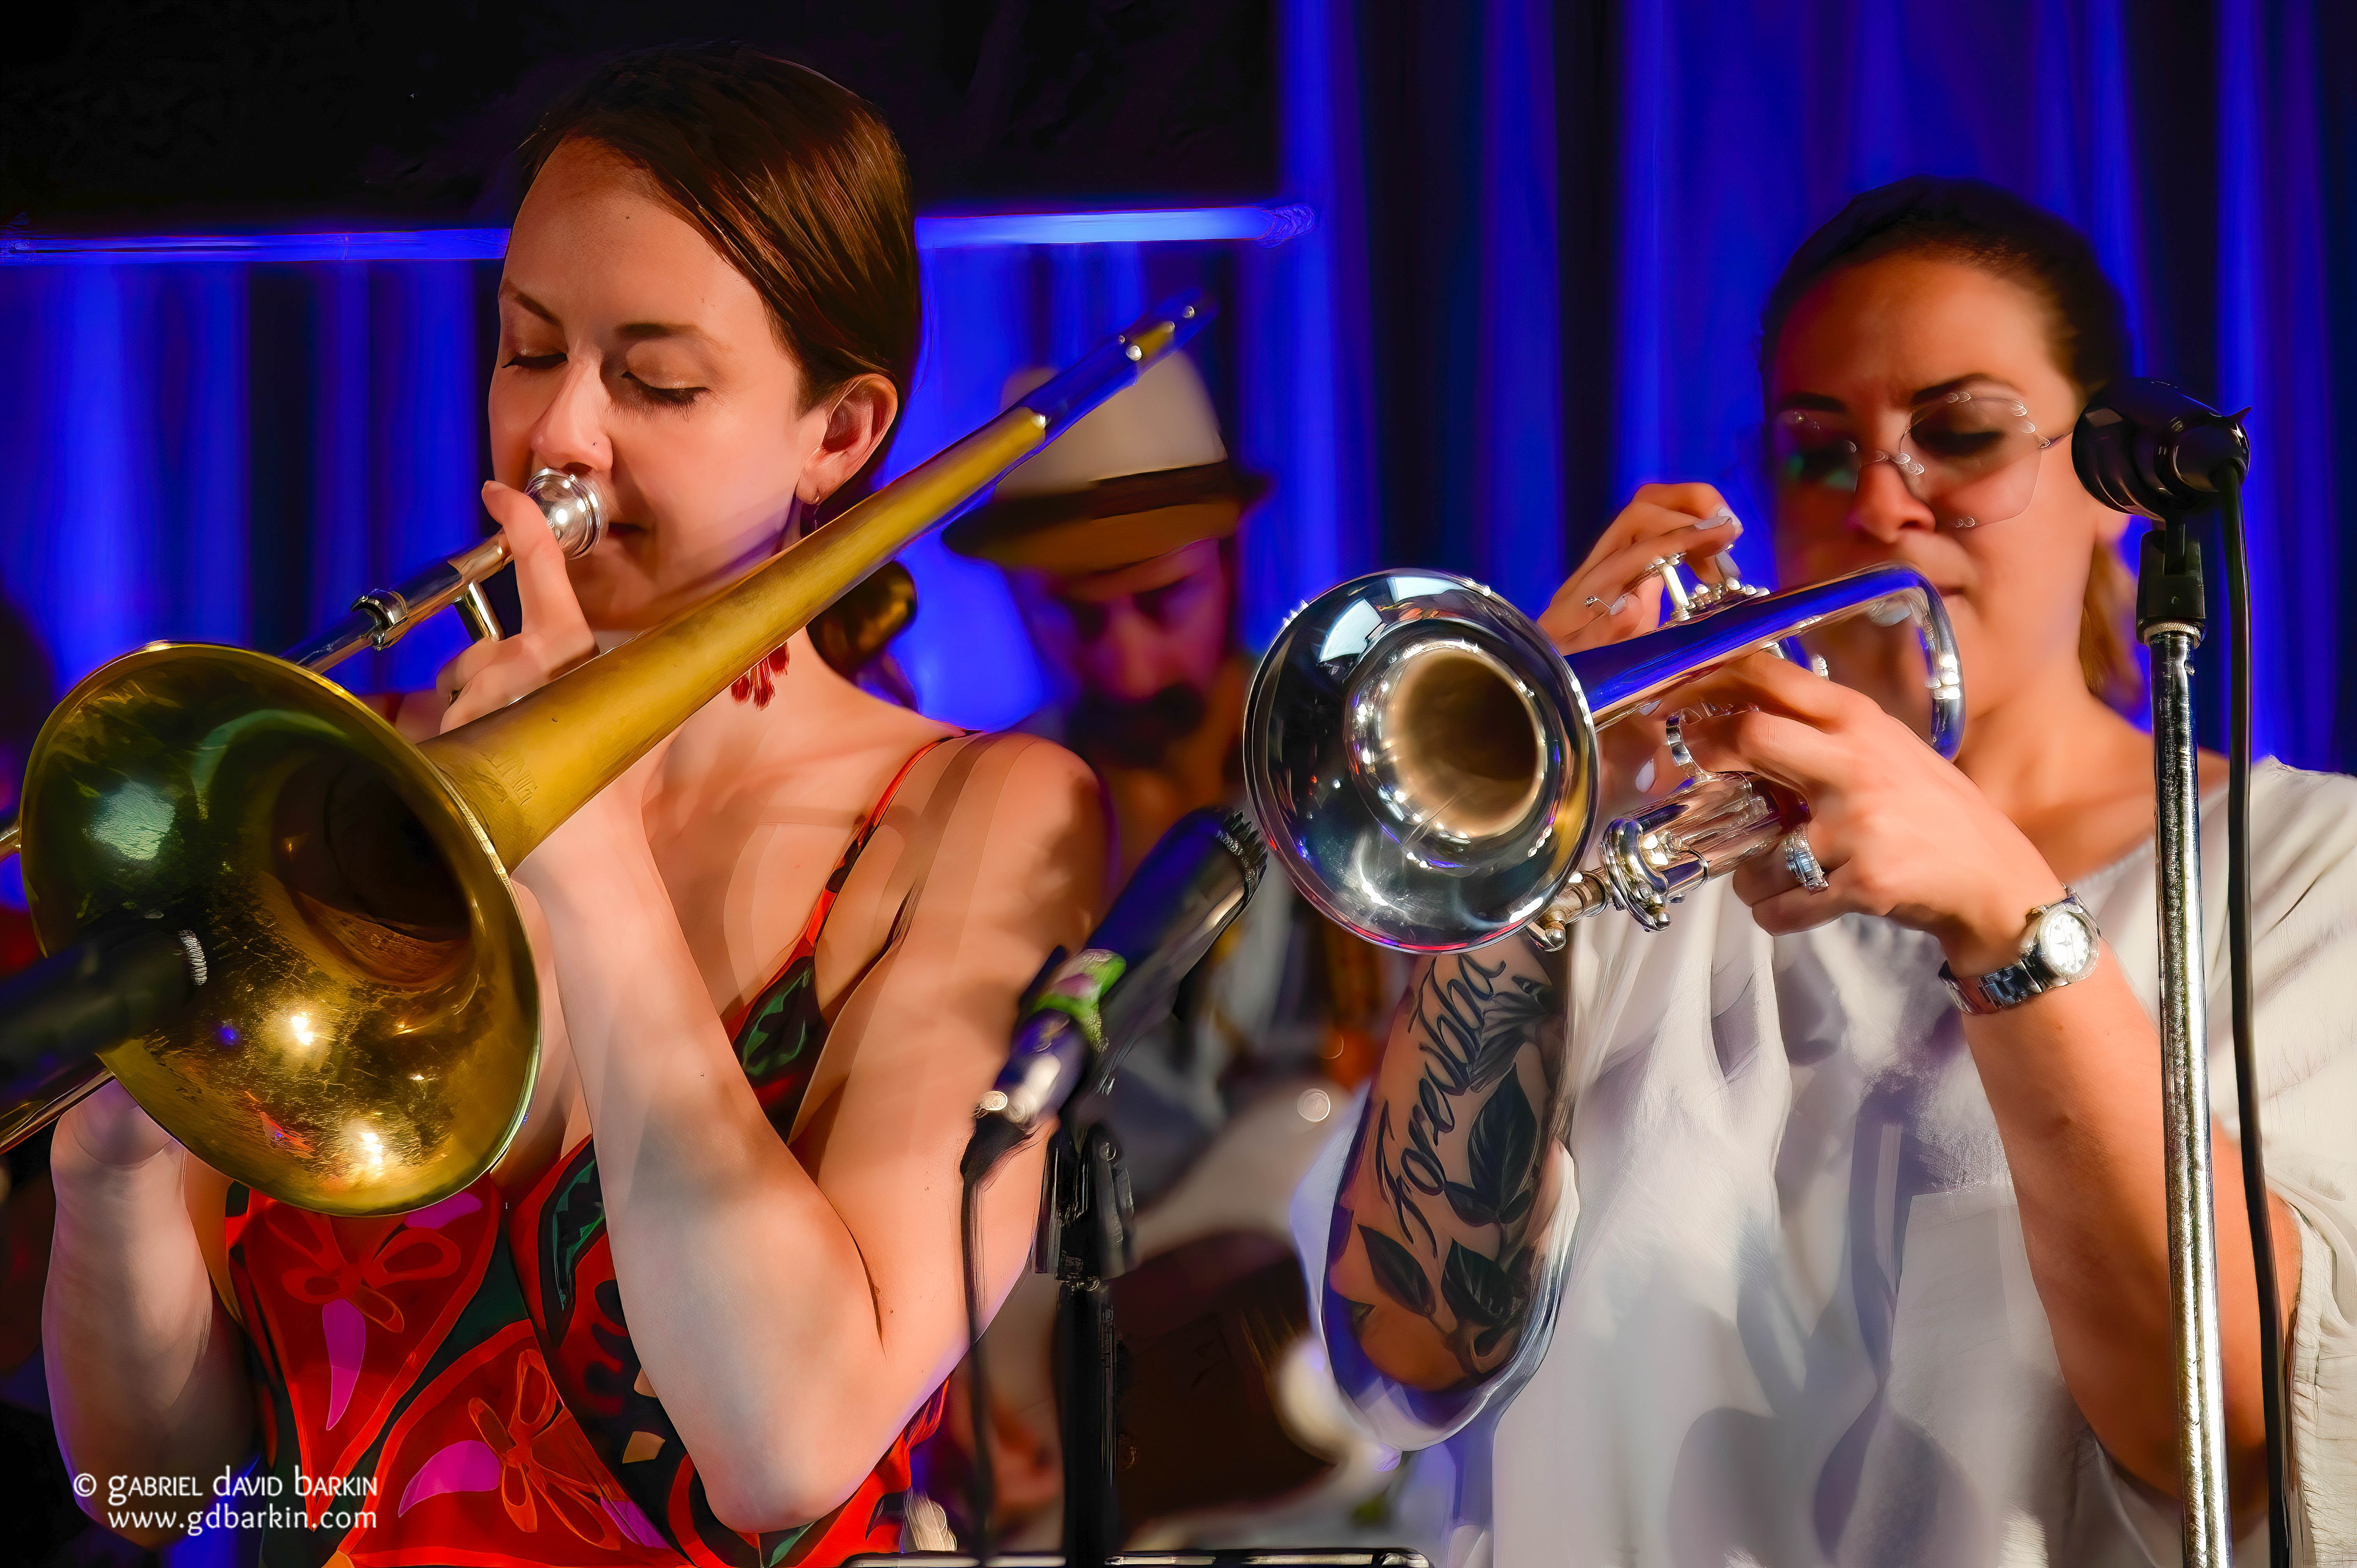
{"points": [[164, 111]]}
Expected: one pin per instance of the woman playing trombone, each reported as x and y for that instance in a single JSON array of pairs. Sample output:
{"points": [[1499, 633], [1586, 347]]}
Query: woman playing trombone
{"points": [[699, 1308]]}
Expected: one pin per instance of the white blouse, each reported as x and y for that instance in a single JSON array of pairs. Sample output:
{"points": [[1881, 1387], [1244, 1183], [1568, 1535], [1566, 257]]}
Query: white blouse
{"points": [[1795, 1322]]}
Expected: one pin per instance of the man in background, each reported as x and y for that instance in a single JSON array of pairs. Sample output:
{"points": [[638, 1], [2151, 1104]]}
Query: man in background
{"points": [[1119, 543]]}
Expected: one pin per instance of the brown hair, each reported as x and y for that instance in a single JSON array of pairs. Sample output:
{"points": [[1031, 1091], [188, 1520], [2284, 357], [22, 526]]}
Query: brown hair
{"points": [[800, 185], [1980, 225]]}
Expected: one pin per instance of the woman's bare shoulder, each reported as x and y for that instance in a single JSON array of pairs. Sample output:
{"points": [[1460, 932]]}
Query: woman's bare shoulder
{"points": [[1016, 822], [1007, 782]]}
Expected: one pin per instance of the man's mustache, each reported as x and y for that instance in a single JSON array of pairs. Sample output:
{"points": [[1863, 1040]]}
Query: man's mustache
{"points": [[1137, 733]]}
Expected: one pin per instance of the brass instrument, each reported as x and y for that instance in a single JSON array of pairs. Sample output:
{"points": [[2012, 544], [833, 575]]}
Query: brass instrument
{"points": [[367, 1037], [1425, 765]]}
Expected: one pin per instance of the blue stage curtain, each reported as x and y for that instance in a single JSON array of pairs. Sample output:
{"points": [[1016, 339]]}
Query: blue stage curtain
{"points": [[230, 451], [1643, 170], [1542, 237], [1304, 336], [2272, 301]]}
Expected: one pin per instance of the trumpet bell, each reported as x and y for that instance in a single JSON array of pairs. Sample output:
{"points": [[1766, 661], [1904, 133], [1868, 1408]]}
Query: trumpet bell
{"points": [[1425, 756], [367, 1035], [1425, 764]]}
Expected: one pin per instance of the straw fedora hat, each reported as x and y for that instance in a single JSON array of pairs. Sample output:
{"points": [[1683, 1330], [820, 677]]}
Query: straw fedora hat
{"points": [[1143, 475]]}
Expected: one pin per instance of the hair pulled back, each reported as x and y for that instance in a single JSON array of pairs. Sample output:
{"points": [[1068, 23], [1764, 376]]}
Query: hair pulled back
{"points": [[800, 185], [1979, 225]]}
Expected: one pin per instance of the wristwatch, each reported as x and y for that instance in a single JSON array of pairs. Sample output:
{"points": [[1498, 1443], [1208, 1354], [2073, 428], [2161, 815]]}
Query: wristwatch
{"points": [[2058, 948]]}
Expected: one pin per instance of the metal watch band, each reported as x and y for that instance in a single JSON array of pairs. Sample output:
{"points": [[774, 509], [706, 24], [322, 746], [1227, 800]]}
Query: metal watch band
{"points": [[1979, 995]]}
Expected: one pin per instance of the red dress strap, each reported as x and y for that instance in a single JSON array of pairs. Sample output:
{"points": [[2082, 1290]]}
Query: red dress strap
{"points": [[780, 1033]]}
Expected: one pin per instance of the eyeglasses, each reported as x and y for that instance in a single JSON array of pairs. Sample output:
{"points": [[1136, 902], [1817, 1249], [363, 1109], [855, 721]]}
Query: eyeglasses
{"points": [[1967, 456]]}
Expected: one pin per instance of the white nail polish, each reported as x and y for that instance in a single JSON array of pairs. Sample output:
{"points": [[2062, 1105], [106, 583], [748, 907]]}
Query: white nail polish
{"points": [[1619, 604]]}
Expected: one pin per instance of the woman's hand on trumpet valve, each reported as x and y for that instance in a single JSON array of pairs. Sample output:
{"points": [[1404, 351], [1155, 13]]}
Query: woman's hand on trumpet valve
{"points": [[555, 637], [1617, 593], [1897, 829]]}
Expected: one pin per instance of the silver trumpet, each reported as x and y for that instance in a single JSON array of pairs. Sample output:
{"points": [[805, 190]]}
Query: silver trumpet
{"points": [[1425, 765]]}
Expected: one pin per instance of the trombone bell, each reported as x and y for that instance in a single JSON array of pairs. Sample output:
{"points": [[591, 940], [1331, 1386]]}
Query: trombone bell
{"points": [[367, 1039]]}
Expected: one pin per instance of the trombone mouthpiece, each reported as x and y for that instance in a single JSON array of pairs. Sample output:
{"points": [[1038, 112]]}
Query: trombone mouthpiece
{"points": [[574, 504]]}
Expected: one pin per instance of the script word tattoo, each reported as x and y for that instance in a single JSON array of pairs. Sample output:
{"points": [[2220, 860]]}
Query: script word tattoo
{"points": [[1462, 1257]]}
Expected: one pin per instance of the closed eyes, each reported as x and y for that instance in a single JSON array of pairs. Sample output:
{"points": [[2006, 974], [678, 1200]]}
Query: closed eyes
{"points": [[668, 396]]}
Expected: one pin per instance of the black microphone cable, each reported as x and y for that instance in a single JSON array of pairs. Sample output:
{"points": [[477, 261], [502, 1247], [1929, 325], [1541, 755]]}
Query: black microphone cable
{"points": [[2238, 967], [981, 1485]]}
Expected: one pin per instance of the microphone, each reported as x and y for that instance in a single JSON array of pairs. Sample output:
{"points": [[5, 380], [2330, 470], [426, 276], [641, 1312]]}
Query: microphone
{"points": [[93, 996], [2143, 446], [1182, 895]]}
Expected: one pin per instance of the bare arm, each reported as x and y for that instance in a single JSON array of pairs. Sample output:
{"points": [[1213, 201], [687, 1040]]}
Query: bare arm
{"points": [[1444, 1198], [793, 1307], [2071, 1080], [145, 1370], [1443, 1202], [2071, 1075]]}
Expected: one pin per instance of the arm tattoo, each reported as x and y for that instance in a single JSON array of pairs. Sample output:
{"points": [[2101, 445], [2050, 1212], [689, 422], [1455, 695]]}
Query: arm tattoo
{"points": [[1460, 1201]]}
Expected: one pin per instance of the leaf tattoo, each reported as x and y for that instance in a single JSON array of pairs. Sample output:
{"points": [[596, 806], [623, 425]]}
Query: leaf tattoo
{"points": [[1396, 1270], [1514, 1021], [1502, 1152], [1476, 1289]]}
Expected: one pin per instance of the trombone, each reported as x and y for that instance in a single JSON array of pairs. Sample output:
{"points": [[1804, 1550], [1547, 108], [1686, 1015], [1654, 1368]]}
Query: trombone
{"points": [[365, 1036], [1426, 765]]}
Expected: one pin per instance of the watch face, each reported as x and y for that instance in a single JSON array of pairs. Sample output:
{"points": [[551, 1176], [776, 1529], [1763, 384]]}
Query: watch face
{"points": [[2066, 941]]}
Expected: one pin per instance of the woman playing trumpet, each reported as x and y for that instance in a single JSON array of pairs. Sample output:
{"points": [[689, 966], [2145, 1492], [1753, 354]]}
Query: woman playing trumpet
{"points": [[1842, 1269], [697, 1309]]}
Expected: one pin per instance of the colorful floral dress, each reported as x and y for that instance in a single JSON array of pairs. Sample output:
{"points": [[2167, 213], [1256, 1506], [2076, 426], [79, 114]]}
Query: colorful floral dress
{"points": [[462, 1378]]}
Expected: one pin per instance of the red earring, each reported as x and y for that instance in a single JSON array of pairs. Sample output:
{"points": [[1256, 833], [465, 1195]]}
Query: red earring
{"points": [[758, 684]]}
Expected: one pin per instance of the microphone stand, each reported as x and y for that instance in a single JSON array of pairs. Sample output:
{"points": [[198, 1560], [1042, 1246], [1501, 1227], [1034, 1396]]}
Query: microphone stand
{"points": [[2145, 448], [1086, 1242], [2171, 613]]}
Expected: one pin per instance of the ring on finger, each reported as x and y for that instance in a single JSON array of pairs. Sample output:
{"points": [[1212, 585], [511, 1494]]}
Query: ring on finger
{"points": [[1802, 861]]}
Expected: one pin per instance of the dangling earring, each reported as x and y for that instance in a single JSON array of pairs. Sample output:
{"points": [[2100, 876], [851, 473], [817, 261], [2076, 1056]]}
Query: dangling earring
{"points": [[759, 683]]}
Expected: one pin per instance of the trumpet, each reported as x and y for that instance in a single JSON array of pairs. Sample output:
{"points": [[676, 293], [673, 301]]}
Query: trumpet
{"points": [[1427, 765], [366, 1033]]}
